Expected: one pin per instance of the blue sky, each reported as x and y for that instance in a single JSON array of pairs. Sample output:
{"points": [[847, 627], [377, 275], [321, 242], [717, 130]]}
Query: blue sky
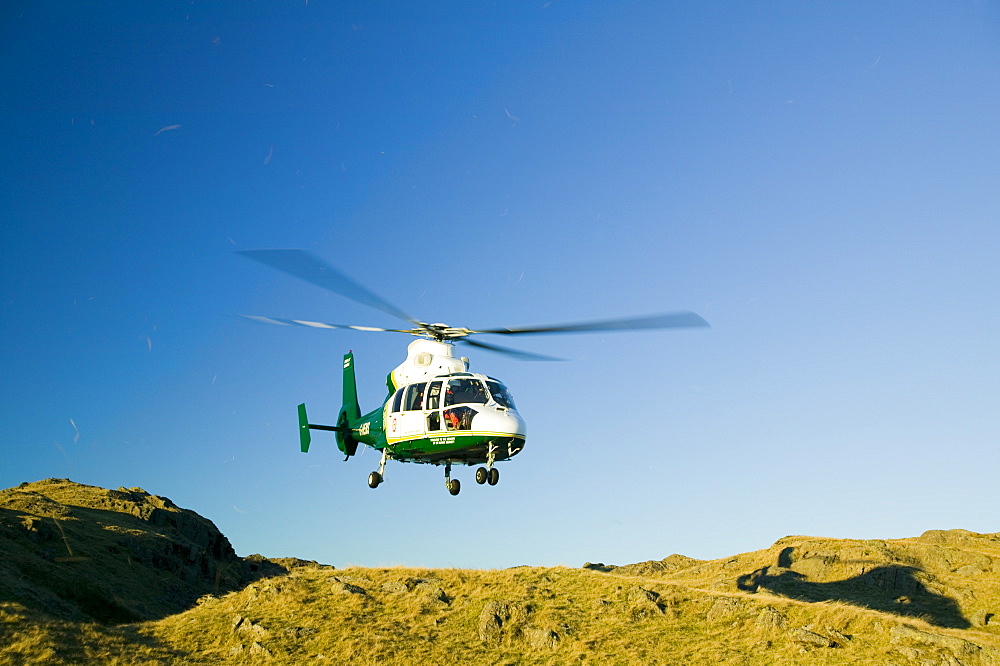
{"points": [[820, 181]]}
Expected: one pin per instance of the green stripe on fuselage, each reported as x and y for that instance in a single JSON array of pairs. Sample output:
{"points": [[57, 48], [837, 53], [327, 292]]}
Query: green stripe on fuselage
{"points": [[470, 448]]}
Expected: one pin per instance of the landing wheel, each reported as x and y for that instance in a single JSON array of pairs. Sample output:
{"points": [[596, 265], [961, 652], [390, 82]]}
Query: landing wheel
{"points": [[454, 486], [493, 476], [374, 479], [482, 475]]}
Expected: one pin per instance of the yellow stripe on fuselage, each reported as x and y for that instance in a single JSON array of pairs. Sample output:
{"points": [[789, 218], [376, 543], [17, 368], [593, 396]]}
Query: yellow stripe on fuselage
{"points": [[452, 433]]}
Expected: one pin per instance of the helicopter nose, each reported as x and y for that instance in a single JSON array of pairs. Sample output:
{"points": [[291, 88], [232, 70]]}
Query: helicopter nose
{"points": [[501, 421]]}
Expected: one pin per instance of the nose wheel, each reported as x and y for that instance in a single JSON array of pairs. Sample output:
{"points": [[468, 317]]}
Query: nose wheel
{"points": [[453, 486]]}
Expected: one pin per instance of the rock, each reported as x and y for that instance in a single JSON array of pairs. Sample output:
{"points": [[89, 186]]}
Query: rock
{"points": [[501, 619], [955, 537], [258, 650], [541, 639], [907, 634], [356, 580], [969, 570], [599, 566], [348, 588], [290, 563], [726, 608], [244, 626], [658, 567], [641, 595], [395, 587], [254, 629], [770, 618], [642, 602], [431, 593], [491, 621], [811, 638], [135, 556], [841, 639]]}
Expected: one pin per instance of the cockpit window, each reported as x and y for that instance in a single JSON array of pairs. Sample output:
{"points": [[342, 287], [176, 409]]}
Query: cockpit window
{"points": [[501, 394], [433, 395], [460, 391]]}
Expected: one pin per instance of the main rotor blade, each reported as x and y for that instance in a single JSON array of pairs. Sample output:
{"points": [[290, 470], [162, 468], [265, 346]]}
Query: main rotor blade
{"points": [[319, 324], [670, 320], [527, 356], [311, 268]]}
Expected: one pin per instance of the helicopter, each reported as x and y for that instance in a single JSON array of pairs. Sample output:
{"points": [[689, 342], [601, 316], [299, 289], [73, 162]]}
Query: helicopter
{"points": [[436, 411]]}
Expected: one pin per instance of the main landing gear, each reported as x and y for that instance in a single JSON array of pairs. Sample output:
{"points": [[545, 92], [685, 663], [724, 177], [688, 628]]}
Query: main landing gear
{"points": [[489, 474], [375, 478]]}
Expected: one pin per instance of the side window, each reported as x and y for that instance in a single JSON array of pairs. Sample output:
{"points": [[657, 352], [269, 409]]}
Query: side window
{"points": [[434, 395], [414, 397], [459, 418], [397, 400]]}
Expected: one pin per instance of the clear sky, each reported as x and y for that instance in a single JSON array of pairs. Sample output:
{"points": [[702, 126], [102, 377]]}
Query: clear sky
{"points": [[820, 181]]}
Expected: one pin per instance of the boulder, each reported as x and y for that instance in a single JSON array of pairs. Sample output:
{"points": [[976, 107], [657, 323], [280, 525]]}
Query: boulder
{"points": [[501, 620], [809, 638], [541, 639]]}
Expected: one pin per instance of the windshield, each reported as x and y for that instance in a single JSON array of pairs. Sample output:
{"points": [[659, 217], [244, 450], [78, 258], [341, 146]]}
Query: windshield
{"points": [[459, 391], [501, 394]]}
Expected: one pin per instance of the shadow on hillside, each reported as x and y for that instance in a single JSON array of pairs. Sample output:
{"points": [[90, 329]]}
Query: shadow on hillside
{"points": [[889, 588], [34, 637]]}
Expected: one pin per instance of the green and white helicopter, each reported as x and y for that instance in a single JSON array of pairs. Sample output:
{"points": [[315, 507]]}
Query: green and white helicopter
{"points": [[436, 411]]}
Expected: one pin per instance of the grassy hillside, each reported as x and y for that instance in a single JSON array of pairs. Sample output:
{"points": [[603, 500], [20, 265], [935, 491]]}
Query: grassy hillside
{"points": [[932, 599]]}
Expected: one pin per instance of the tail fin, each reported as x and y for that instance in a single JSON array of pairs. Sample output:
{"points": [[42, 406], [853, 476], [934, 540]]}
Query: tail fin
{"points": [[350, 411], [305, 437]]}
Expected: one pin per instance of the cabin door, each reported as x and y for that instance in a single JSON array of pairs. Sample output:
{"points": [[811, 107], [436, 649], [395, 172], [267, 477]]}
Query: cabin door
{"points": [[432, 408], [411, 419]]}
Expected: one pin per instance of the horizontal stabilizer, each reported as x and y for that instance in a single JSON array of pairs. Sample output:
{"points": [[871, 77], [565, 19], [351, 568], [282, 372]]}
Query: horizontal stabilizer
{"points": [[305, 437]]}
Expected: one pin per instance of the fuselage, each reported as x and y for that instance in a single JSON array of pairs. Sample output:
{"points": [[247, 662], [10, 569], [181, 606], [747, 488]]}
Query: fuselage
{"points": [[458, 416], [438, 411]]}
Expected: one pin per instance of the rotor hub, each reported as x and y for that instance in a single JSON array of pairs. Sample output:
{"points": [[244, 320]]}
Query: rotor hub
{"points": [[439, 331]]}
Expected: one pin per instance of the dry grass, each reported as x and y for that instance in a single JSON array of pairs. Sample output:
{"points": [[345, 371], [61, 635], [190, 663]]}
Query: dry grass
{"points": [[928, 600], [555, 616]]}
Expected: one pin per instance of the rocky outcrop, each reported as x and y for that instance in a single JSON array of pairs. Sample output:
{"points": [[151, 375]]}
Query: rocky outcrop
{"points": [[82, 552], [667, 565], [506, 623], [929, 577]]}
